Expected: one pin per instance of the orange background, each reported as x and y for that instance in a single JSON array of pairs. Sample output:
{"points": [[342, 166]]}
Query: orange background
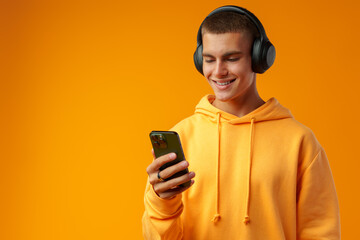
{"points": [[83, 83]]}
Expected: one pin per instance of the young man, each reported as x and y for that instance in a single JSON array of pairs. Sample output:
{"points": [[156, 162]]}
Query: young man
{"points": [[260, 174]]}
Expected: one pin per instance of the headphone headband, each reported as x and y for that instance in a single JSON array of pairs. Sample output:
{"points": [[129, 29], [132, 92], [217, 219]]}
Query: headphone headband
{"points": [[240, 10]]}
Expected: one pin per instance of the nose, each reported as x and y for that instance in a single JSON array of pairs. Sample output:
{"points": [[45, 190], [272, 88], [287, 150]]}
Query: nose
{"points": [[220, 69]]}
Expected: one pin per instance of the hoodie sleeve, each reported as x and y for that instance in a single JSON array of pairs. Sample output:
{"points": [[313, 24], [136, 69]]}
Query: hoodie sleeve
{"points": [[161, 219], [317, 203]]}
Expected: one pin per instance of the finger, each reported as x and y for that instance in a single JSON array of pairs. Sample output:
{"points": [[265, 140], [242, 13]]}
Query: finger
{"points": [[174, 191], [172, 183], [158, 162], [156, 176], [160, 176], [168, 172]]}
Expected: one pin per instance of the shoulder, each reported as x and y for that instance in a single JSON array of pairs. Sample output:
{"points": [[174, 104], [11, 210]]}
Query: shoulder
{"points": [[306, 134], [190, 127], [302, 132], [187, 123], [308, 147]]}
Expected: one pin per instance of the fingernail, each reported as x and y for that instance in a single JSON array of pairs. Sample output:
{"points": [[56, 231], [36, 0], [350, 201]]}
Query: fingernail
{"points": [[172, 155], [184, 164]]}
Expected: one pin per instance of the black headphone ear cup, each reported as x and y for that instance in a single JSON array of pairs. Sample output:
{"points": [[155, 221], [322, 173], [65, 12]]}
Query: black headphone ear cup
{"points": [[263, 56], [268, 55], [256, 56], [198, 59]]}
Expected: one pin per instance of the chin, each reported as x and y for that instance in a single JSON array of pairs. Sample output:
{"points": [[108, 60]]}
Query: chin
{"points": [[222, 97]]}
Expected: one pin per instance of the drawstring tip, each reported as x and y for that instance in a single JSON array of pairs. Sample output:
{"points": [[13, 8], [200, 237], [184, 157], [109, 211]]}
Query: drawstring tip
{"points": [[247, 220], [216, 218]]}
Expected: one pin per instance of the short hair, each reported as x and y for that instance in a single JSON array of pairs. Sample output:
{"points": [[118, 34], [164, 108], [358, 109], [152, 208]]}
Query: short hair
{"points": [[226, 22]]}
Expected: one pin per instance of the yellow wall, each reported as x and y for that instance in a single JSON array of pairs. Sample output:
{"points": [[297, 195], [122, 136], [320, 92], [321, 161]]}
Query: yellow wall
{"points": [[83, 83]]}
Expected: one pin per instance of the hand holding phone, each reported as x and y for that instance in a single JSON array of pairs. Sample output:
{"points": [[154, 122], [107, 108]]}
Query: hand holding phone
{"points": [[168, 173]]}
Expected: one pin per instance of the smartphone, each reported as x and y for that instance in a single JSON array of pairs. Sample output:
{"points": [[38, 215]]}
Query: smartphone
{"points": [[165, 142]]}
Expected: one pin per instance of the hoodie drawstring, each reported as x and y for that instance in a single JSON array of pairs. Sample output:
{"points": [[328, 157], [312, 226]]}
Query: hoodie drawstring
{"points": [[217, 216], [247, 217]]}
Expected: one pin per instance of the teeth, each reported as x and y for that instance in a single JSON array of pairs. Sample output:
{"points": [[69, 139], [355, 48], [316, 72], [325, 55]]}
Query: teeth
{"points": [[223, 84]]}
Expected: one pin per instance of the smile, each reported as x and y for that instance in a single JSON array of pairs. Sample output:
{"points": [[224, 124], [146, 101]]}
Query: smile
{"points": [[224, 83]]}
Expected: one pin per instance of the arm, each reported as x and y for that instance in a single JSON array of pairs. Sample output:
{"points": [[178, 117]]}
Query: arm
{"points": [[163, 204], [317, 203], [161, 219]]}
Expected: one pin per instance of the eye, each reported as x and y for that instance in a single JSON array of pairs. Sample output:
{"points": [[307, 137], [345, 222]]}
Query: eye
{"points": [[209, 60], [233, 59]]}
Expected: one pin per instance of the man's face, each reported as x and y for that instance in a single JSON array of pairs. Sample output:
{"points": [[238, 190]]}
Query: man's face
{"points": [[227, 65]]}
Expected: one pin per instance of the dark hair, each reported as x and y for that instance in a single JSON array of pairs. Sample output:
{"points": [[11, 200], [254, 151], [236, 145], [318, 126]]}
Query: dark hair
{"points": [[225, 22]]}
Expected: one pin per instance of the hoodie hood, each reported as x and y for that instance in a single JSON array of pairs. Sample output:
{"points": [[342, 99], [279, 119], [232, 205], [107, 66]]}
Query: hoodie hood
{"points": [[270, 110]]}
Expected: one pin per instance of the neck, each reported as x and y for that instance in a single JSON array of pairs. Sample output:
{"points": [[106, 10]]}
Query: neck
{"points": [[241, 105]]}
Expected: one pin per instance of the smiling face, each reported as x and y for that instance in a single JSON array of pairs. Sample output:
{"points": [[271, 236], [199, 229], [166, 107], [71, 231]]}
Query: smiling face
{"points": [[227, 66]]}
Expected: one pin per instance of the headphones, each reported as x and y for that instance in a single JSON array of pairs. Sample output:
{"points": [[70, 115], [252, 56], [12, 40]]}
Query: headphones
{"points": [[263, 52]]}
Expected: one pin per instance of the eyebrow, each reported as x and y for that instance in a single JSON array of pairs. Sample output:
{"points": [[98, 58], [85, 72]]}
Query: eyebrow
{"points": [[225, 55]]}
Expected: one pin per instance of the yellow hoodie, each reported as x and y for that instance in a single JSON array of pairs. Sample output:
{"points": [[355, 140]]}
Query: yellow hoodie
{"points": [[262, 176]]}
